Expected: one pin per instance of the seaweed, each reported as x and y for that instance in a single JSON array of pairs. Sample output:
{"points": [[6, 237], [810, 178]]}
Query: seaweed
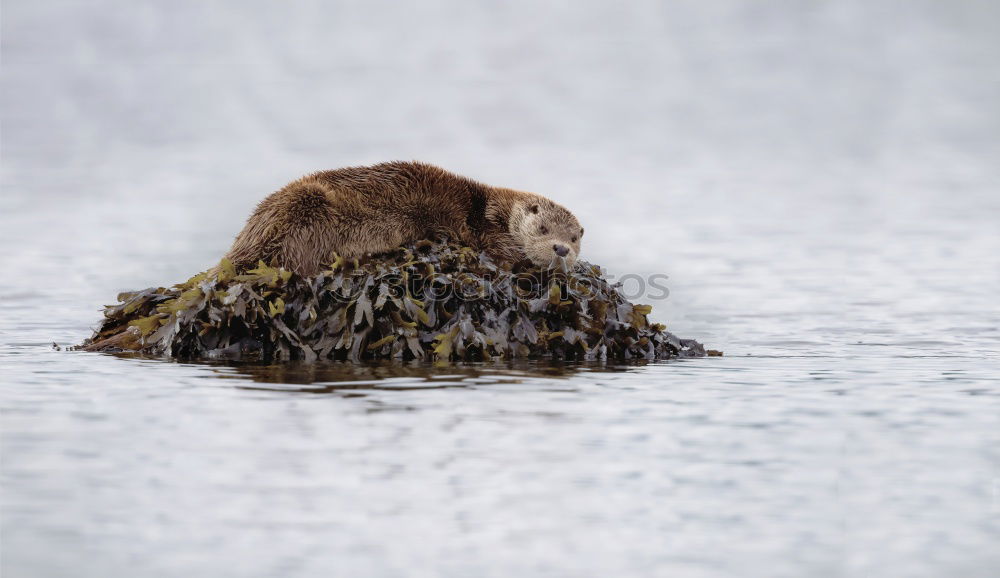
{"points": [[429, 300]]}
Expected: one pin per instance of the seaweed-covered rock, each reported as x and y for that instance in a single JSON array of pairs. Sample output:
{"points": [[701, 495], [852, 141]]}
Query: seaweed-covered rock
{"points": [[426, 301]]}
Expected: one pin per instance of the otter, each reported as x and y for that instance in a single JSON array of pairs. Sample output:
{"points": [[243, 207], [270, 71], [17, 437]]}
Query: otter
{"points": [[355, 211]]}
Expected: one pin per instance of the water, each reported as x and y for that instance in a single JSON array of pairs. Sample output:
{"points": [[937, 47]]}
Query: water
{"points": [[820, 182]]}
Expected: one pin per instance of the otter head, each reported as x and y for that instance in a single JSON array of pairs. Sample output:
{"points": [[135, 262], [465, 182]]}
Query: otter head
{"points": [[546, 231]]}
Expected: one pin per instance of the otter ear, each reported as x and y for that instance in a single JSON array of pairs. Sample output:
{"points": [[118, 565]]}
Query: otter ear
{"points": [[533, 209]]}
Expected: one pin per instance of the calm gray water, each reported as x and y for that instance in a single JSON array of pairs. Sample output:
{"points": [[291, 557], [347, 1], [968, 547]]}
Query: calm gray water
{"points": [[820, 181]]}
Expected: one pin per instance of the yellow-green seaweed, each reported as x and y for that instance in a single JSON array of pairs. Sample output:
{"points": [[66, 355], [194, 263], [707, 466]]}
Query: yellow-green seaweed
{"points": [[429, 300]]}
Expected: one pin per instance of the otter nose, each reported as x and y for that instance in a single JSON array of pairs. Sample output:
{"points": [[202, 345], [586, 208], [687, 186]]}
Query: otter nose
{"points": [[561, 250]]}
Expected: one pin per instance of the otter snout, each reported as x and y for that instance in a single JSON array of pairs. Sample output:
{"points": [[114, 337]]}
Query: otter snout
{"points": [[561, 250]]}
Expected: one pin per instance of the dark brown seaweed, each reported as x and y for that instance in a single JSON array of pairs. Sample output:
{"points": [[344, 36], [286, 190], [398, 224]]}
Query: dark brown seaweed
{"points": [[427, 301]]}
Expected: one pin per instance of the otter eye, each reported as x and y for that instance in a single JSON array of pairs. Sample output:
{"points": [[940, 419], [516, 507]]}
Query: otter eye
{"points": [[544, 230], [533, 209], [573, 239]]}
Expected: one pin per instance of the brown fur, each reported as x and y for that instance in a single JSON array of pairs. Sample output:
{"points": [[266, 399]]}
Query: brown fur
{"points": [[358, 210]]}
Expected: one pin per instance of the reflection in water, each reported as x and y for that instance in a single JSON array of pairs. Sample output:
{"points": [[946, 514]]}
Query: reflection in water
{"points": [[330, 376]]}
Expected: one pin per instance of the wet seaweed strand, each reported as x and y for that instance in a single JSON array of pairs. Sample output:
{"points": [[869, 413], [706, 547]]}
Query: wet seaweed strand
{"points": [[426, 301]]}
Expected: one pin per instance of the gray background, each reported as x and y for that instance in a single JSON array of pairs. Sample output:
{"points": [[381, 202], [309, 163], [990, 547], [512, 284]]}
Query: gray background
{"points": [[641, 116]]}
